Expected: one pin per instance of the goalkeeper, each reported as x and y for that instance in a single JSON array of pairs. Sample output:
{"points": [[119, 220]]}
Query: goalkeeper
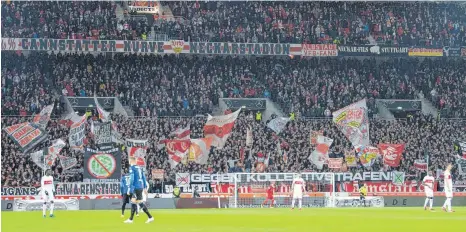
{"points": [[363, 194]]}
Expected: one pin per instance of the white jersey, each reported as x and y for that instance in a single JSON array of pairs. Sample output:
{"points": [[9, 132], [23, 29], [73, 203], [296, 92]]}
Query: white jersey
{"points": [[429, 188], [298, 187], [47, 188], [448, 183]]}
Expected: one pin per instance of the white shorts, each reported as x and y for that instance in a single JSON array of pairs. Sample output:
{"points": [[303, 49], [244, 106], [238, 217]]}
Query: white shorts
{"points": [[49, 196], [429, 193], [297, 196], [449, 194]]}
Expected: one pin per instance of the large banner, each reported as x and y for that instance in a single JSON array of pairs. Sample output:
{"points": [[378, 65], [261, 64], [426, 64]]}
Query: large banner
{"points": [[320, 50], [384, 187], [46, 158], [177, 150], [102, 166], [155, 47], [19, 191], [278, 124], [103, 135], [138, 149], [87, 188], [279, 177], [425, 52], [353, 121], [372, 50], [219, 128], [26, 135], [391, 153], [77, 132]]}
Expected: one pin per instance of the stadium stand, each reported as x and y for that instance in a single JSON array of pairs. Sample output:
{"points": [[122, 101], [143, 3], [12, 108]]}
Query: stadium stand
{"points": [[172, 90]]}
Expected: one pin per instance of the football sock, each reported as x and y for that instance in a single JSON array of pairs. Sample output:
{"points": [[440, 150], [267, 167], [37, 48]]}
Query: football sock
{"points": [[300, 202], [138, 208], [144, 208], [449, 204], [123, 207], [292, 203], [445, 204], [431, 202], [51, 208], [427, 201], [133, 210], [271, 203], [44, 208]]}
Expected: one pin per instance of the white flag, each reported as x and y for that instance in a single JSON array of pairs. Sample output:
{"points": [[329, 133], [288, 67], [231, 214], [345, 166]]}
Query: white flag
{"points": [[219, 128], [320, 155], [278, 124]]}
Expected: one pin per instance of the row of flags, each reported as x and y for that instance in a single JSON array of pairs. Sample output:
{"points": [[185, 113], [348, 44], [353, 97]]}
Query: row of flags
{"points": [[353, 122]]}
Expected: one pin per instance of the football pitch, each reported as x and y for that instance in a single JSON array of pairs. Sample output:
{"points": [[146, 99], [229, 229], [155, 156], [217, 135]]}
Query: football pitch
{"points": [[243, 220]]}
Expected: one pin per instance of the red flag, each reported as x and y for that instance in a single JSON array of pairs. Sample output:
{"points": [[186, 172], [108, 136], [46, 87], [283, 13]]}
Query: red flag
{"points": [[391, 153]]}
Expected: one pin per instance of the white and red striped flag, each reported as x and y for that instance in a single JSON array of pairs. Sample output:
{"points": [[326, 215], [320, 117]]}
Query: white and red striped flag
{"points": [[177, 150], [219, 128], [182, 133]]}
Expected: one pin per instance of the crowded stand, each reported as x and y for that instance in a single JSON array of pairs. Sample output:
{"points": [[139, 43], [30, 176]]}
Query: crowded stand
{"points": [[189, 86], [393, 23], [168, 92]]}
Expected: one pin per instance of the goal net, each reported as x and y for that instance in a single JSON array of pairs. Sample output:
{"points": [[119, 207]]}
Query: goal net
{"points": [[250, 190]]}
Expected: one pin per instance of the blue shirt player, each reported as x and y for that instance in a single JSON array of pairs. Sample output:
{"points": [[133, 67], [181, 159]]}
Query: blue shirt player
{"points": [[124, 186], [137, 184]]}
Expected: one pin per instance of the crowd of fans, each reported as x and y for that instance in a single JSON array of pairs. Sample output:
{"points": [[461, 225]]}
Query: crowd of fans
{"points": [[394, 23], [419, 133], [171, 91], [192, 85]]}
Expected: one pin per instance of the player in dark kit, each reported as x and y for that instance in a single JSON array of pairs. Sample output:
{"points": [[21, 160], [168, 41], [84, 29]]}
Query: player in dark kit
{"points": [[137, 184], [124, 186]]}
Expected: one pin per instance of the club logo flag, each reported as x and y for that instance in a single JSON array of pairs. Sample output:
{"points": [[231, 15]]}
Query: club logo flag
{"points": [[391, 153], [138, 149], [77, 132], [353, 121], [26, 135], [182, 133], [67, 162], [103, 115], [102, 165], [219, 128], [177, 150], [249, 138], [367, 155], [43, 117], [350, 159], [313, 136], [398, 178], [420, 164], [278, 124], [320, 155], [335, 163], [46, 158], [200, 149]]}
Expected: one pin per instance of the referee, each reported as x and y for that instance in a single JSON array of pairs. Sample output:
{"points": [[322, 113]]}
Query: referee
{"points": [[363, 194]]}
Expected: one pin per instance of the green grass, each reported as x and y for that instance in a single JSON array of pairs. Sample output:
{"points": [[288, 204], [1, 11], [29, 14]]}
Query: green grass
{"points": [[243, 220]]}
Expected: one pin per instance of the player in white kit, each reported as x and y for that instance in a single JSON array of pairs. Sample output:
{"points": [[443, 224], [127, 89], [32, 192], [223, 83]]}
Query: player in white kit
{"points": [[448, 189], [428, 183], [144, 198], [47, 192], [298, 189]]}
